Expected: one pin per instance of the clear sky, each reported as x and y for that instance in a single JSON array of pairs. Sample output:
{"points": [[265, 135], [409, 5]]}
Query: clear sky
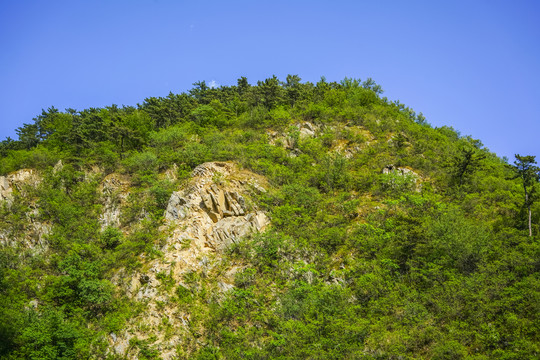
{"points": [[472, 65]]}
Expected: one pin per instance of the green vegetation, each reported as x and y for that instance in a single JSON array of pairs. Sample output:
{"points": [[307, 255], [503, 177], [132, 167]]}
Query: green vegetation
{"points": [[389, 239]]}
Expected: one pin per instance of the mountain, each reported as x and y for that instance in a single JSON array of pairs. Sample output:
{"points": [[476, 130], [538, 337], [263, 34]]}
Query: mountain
{"points": [[284, 220]]}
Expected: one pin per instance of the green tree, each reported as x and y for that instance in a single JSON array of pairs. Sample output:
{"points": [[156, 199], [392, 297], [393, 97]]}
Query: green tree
{"points": [[525, 169], [467, 160], [242, 85], [372, 85], [8, 145], [49, 334], [270, 93], [199, 91], [30, 135], [129, 128], [293, 88]]}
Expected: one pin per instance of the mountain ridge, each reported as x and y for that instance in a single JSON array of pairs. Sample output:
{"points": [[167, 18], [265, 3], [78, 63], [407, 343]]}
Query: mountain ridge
{"points": [[278, 220]]}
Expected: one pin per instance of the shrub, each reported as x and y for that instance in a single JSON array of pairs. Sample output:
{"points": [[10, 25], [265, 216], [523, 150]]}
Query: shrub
{"points": [[395, 183], [111, 237]]}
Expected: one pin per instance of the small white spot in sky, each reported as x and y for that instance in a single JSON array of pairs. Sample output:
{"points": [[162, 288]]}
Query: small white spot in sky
{"points": [[213, 84]]}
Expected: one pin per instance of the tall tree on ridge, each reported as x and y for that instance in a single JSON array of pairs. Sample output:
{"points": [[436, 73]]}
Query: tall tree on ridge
{"points": [[525, 169]]}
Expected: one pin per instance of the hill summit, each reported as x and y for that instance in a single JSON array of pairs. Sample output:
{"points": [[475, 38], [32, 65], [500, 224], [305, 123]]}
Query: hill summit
{"points": [[284, 220]]}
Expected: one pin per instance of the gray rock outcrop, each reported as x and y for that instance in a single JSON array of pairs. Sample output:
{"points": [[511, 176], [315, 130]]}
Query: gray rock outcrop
{"points": [[202, 219], [16, 182], [33, 234], [114, 190], [214, 215]]}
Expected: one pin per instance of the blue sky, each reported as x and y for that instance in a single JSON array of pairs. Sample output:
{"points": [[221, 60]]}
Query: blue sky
{"points": [[472, 65]]}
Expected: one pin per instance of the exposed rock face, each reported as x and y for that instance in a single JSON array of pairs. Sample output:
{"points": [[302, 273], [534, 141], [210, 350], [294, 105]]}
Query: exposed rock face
{"points": [[214, 215], [402, 171], [348, 140], [16, 181], [399, 170], [304, 130], [176, 208], [33, 236], [5, 188], [114, 189], [171, 173], [307, 129], [205, 217], [344, 148]]}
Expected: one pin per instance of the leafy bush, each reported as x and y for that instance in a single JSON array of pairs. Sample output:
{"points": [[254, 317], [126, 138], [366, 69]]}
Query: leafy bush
{"points": [[111, 237]]}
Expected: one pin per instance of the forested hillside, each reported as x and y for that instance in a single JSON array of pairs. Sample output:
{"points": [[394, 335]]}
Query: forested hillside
{"points": [[332, 223]]}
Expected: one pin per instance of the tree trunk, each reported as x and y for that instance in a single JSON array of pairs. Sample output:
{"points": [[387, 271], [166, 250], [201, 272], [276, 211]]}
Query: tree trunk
{"points": [[530, 230], [528, 206]]}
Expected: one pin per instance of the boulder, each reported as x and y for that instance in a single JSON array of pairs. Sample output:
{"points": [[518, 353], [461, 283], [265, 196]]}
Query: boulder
{"points": [[176, 208]]}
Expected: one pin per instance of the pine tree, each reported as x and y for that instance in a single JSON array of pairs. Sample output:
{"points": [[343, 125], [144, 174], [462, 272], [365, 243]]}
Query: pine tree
{"points": [[525, 169]]}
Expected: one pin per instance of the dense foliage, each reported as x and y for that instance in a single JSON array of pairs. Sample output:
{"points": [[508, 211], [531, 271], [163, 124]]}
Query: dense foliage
{"points": [[433, 263]]}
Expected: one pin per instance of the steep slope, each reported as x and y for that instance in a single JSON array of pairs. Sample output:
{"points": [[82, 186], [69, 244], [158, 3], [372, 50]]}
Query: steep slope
{"points": [[283, 220], [202, 220]]}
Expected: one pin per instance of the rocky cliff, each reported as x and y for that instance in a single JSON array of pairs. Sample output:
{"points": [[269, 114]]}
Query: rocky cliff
{"points": [[32, 233], [203, 218]]}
